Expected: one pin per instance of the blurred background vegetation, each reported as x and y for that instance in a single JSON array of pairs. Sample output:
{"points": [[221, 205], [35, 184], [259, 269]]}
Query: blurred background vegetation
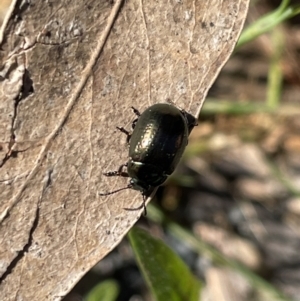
{"points": [[231, 211]]}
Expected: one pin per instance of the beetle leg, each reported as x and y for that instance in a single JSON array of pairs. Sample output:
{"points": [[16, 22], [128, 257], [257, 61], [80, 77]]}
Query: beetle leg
{"points": [[138, 114], [125, 132], [143, 205], [117, 173], [134, 123], [136, 111], [121, 129]]}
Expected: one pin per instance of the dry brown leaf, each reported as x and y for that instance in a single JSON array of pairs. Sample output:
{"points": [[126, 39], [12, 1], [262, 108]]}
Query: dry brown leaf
{"points": [[69, 72]]}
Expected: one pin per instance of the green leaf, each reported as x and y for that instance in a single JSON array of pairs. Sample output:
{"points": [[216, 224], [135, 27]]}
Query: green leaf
{"points": [[104, 291], [166, 274]]}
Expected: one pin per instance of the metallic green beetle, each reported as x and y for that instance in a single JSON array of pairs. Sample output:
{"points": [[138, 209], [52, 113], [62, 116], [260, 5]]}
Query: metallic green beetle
{"points": [[159, 137]]}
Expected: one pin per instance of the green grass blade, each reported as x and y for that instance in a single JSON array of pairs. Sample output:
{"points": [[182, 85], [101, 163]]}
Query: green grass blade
{"points": [[275, 76], [166, 274], [267, 22]]}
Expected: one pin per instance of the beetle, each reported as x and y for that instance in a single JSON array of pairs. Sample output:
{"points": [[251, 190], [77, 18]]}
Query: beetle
{"points": [[156, 144]]}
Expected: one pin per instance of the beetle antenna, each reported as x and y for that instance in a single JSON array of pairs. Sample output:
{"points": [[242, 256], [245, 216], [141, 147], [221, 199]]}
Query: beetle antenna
{"points": [[115, 191]]}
